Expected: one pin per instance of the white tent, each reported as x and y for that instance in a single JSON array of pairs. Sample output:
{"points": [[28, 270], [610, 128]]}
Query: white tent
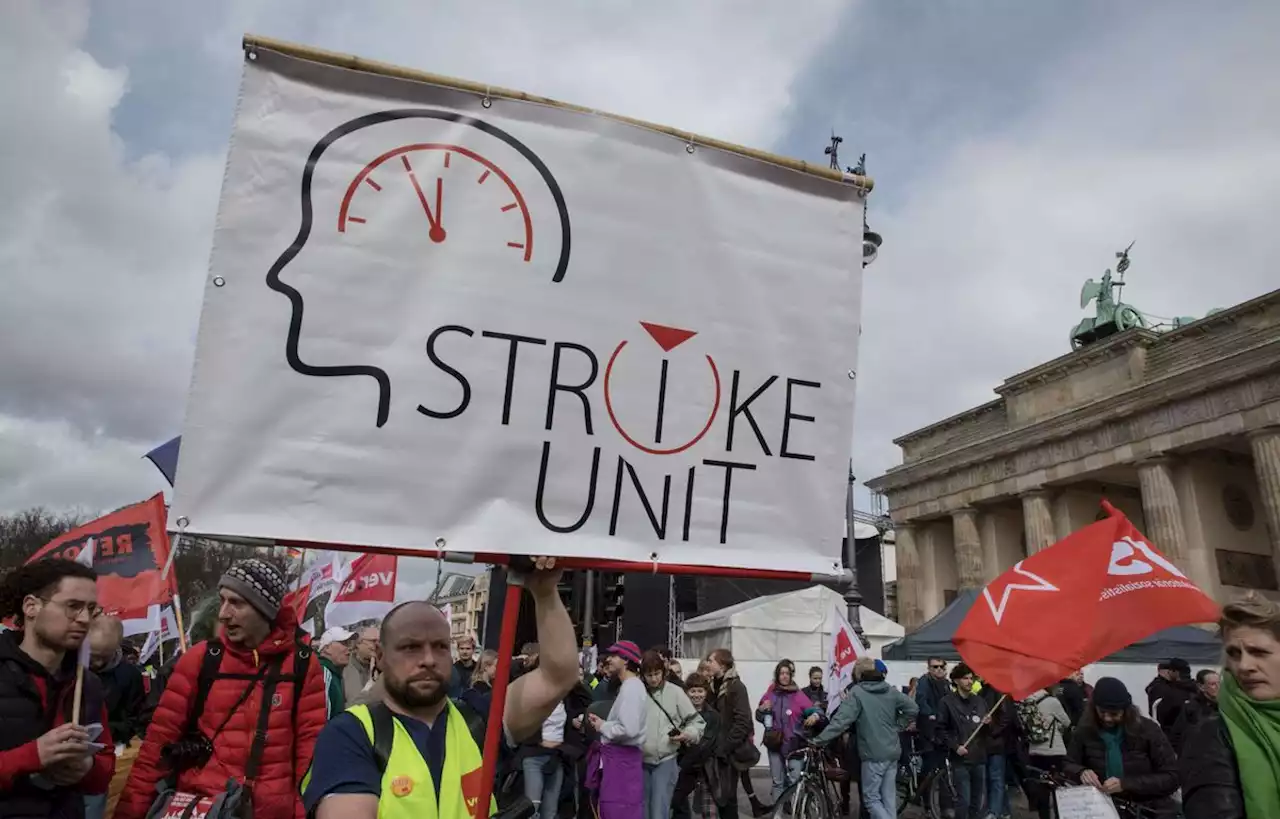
{"points": [[795, 624]]}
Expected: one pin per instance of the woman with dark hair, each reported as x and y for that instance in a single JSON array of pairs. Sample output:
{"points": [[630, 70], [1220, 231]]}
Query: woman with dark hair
{"points": [[620, 785], [736, 751], [1231, 761], [1122, 753], [816, 690], [780, 711]]}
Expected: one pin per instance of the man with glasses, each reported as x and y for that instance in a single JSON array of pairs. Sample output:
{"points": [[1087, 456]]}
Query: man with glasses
{"points": [[48, 761], [929, 693]]}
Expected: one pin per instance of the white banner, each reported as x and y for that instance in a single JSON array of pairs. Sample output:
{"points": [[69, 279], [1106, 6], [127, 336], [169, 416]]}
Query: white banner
{"points": [[519, 328]]}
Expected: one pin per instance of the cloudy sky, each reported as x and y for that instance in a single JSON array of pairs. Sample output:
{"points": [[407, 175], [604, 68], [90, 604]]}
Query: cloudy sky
{"points": [[1015, 147]]}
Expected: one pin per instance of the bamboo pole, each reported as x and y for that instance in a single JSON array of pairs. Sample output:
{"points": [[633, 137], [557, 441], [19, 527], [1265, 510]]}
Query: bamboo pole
{"points": [[79, 693], [983, 724], [354, 63]]}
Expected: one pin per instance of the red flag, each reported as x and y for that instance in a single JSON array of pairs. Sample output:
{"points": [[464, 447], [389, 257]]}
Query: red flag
{"points": [[130, 550], [368, 591], [1085, 597]]}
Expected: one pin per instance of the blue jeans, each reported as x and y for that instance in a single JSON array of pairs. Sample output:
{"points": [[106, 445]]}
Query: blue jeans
{"points": [[997, 786], [543, 775], [784, 773], [880, 788], [659, 784], [971, 785], [95, 806]]}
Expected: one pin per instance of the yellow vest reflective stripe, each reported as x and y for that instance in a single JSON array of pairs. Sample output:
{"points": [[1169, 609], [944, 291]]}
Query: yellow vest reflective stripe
{"points": [[408, 791]]}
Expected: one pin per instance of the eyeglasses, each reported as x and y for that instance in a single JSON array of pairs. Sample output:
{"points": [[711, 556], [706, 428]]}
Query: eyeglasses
{"points": [[938, 667], [75, 608]]}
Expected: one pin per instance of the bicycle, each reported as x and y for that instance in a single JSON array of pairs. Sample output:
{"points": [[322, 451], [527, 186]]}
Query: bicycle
{"points": [[812, 795], [1054, 780], [933, 792]]}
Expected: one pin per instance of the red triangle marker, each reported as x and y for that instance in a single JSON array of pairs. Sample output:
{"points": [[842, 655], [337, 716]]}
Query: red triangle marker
{"points": [[668, 338]]}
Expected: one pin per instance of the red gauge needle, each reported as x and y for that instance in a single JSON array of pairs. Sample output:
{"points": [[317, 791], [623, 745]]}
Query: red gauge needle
{"points": [[436, 233]]}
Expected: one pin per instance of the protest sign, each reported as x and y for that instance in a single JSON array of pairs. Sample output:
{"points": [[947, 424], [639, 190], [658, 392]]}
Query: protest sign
{"points": [[516, 326], [1084, 802]]}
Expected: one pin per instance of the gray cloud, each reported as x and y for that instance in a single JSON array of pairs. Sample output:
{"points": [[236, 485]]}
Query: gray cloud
{"points": [[1014, 151]]}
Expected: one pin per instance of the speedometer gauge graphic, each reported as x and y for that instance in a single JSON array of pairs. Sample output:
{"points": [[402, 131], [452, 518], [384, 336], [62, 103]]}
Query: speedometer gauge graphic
{"points": [[439, 177]]}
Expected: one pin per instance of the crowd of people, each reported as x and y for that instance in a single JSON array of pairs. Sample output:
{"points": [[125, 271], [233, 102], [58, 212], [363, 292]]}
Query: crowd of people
{"points": [[390, 720]]}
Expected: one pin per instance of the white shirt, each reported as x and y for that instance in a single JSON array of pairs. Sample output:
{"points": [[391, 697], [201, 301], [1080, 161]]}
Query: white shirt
{"points": [[553, 727]]}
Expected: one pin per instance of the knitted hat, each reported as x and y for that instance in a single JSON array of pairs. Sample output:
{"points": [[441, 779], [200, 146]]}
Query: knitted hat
{"points": [[1110, 694], [259, 583], [625, 649]]}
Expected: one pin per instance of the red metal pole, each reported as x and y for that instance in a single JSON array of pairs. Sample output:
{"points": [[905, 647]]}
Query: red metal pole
{"points": [[493, 731]]}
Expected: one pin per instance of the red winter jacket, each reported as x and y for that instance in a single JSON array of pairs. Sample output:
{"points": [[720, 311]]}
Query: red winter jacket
{"points": [[286, 755]]}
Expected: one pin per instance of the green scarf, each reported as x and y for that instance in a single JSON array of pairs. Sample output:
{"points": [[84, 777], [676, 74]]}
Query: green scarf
{"points": [[1113, 743], [1255, 731]]}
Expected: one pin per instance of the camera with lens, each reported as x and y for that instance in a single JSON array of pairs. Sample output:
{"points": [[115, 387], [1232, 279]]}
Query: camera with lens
{"points": [[192, 751]]}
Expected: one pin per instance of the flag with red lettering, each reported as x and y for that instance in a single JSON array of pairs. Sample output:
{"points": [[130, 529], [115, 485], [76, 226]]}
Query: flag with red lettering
{"points": [[1085, 597], [844, 650], [130, 548], [368, 591]]}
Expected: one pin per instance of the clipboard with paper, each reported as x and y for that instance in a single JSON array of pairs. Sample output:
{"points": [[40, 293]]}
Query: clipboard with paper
{"points": [[1085, 802]]}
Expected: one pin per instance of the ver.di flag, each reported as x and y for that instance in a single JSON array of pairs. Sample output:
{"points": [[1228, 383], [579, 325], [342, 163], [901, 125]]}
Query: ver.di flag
{"points": [[1086, 596], [368, 591], [844, 649]]}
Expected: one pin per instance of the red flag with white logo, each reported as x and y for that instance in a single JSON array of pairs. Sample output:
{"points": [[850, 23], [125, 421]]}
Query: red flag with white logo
{"points": [[368, 591], [1085, 597]]}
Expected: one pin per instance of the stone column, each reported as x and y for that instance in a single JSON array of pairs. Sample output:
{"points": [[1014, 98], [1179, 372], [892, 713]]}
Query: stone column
{"points": [[1265, 444], [907, 557], [1162, 510], [968, 548], [1037, 521]]}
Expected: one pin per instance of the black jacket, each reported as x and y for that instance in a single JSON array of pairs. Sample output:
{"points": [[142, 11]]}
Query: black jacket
{"points": [[929, 694], [1071, 694], [1150, 767], [1194, 711], [126, 698], [958, 718], [697, 756], [464, 673], [24, 717], [1210, 775], [817, 695], [1174, 696], [1006, 732]]}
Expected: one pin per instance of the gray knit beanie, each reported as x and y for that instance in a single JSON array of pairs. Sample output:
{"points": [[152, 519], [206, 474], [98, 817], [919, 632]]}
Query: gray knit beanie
{"points": [[258, 582]]}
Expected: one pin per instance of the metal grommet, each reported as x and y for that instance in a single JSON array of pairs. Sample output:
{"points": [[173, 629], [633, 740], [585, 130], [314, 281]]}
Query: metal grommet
{"points": [[183, 522], [852, 375], [251, 53], [218, 281], [486, 103], [690, 147], [304, 653], [441, 543], [215, 650]]}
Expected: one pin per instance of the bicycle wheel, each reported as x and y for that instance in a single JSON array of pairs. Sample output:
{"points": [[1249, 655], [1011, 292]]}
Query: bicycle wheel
{"points": [[907, 790], [939, 794], [811, 802]]}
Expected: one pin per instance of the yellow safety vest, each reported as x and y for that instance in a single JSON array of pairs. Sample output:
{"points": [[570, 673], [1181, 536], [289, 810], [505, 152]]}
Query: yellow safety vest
{"points": [[408, 791]]}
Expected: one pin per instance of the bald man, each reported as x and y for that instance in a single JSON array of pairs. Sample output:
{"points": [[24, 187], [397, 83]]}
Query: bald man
{"points": [[122, 682], [416, 661], [125, 697]]}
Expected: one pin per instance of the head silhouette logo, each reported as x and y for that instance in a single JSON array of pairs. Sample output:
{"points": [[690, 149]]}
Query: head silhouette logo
{"points": [[439, 200]]}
